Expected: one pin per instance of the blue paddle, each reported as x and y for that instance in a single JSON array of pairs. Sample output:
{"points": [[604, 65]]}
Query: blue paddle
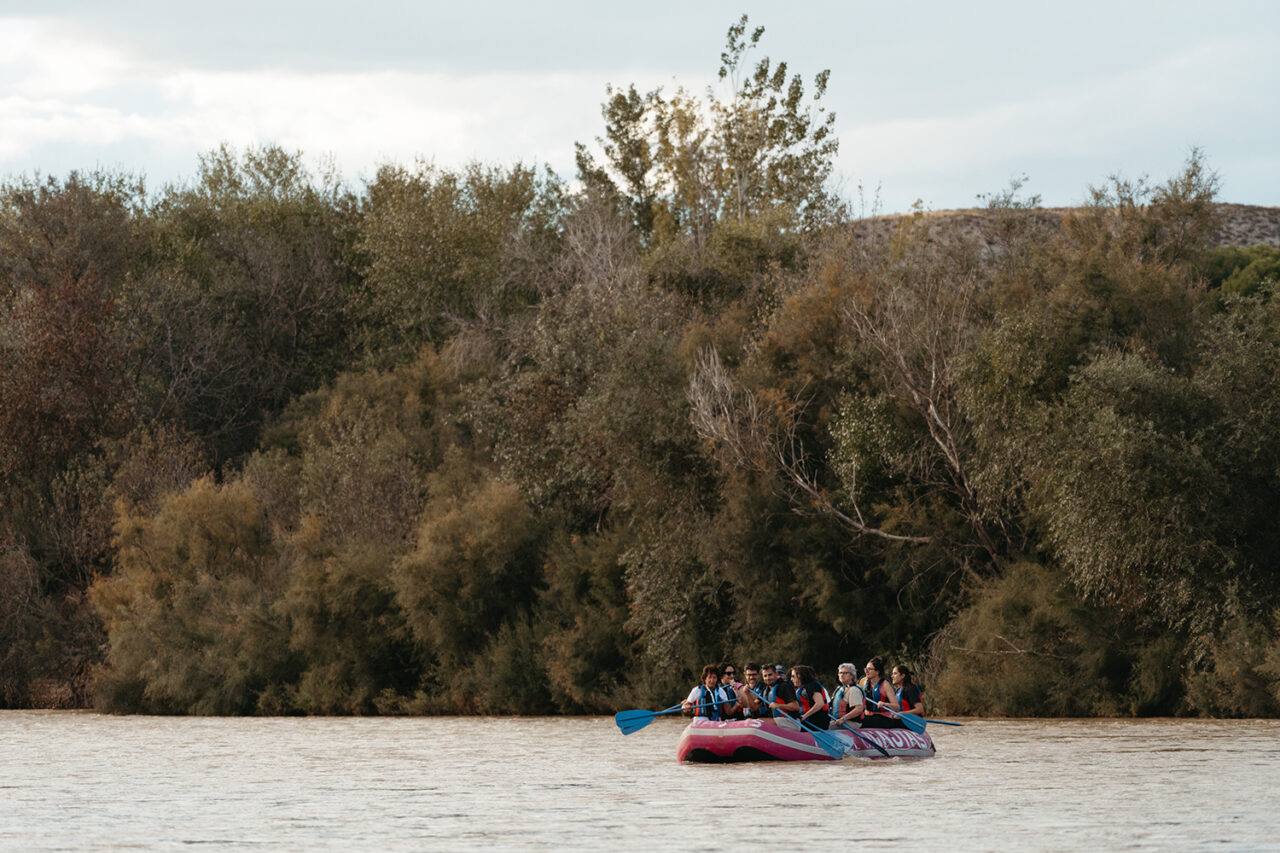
{"points": [[827, 742], [907, 717], [911, 721], [634, 721], [912, 713]]}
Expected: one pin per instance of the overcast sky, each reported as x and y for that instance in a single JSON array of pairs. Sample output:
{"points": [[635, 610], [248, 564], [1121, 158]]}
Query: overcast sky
{"points": [[936, 101]]}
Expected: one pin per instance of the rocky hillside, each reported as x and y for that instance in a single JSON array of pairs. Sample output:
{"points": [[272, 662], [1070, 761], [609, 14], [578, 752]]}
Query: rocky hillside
{"points": [[1249, 225], [1241, 224]]}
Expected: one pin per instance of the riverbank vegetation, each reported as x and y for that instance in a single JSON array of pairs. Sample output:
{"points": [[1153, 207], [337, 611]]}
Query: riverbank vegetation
{"points": [[489, 441]]}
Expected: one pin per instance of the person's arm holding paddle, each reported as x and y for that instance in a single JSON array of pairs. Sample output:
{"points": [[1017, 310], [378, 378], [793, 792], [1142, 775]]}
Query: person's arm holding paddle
{"points": [[688, 704], [856, 703], [707, 693], [784, 698], [889, 697], [876, 683], [819, 705]]}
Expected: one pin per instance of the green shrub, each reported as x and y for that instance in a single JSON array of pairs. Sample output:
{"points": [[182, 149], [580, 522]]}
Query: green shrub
{"points": [[585, 647], [1241, 271], [1024, 647], [189, 611], [474, 567], [1238, 678]]}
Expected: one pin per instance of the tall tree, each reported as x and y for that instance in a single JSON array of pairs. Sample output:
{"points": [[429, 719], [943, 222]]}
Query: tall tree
{"points": [[681, 164]]}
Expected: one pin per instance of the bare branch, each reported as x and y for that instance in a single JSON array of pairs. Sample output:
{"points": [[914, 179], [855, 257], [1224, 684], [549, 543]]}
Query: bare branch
{"points": [[732, 420], [1012, 650], [918, 323]]}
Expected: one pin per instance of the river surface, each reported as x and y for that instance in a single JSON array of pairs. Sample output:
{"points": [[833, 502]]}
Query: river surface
{"points": [[81, 781]]}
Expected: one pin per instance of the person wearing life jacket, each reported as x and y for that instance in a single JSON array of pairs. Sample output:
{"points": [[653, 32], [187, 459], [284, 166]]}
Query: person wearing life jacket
{"points": [[846, 703], [709, 694], [811, 696], [749, 704], [775, 693], [910, 696], [729, 684], [881, 698]]}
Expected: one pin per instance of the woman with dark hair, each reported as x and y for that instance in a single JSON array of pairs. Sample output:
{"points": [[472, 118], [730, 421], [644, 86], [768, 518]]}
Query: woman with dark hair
{"points": [[730, 685], [880, 698], [811, 696], [910, 697], [716, 705]]}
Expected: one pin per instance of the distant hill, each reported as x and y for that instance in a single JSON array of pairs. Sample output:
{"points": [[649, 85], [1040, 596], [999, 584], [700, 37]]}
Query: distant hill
{"points": [[1242, 224], [1249, 225]]}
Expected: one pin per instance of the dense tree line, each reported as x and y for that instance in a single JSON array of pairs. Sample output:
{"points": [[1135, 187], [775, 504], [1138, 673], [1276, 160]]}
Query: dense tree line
{"points": [[488, 441]]}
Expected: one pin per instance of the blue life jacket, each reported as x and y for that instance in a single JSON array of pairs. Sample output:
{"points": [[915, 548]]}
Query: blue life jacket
{"points": [[767, 695], [875, 695], [915, 697], [714, 711], [855, 698]]}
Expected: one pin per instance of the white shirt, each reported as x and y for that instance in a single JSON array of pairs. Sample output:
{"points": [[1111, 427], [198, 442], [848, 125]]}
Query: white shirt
{"points": [[718, 695]]}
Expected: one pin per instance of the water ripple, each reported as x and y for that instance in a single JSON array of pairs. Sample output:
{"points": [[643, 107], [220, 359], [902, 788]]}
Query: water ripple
{"points": [[75, 781]]}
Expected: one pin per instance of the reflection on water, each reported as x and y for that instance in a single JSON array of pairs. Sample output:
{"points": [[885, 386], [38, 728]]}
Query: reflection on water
{"points": [[83, 781]]}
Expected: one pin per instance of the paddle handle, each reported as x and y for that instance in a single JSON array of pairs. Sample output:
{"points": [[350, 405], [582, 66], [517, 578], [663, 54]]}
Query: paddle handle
{"points": [[887, 709], [633, 721], [695, 707], [674, 708], [860, 736], [911, 721], [906, 714]]}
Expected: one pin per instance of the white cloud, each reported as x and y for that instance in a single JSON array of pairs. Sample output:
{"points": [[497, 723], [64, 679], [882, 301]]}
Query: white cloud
{"points": [[362, 119], [31, 123], [39, 60]]}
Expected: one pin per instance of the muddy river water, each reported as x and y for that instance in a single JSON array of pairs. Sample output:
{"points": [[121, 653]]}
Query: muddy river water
{"points": [[82, 781]]}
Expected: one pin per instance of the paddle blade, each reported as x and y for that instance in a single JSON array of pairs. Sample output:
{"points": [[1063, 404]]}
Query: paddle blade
{"points": [[829, 743], [633, 721], [638, 714], [911, 721]]}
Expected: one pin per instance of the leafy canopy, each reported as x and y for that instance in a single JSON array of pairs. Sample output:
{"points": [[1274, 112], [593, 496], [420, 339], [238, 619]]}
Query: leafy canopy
{"points": [[680, 164]]}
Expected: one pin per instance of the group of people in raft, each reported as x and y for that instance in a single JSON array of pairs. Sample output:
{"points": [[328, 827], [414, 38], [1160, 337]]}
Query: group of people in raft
{"points": [[872, 702]]}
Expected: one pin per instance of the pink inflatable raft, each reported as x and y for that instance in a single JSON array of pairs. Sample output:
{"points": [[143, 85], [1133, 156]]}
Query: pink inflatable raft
{"points": [[753, 740]]}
